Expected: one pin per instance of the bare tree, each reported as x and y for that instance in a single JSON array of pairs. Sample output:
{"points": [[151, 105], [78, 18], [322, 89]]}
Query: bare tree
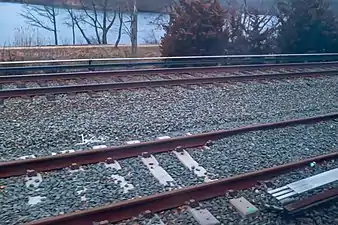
{"points": [[99, 16], [250, 31], [70, 22], [40, 16], [130, 26], [76, 19], [162, 18], [133, 25], [259, 29]]}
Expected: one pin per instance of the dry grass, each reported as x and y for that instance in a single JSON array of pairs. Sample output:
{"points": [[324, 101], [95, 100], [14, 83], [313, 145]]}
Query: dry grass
{"points": [[74, 52]]}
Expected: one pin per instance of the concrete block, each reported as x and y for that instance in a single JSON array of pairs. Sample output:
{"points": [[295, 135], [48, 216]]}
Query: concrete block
{"points": [[244, 207]]}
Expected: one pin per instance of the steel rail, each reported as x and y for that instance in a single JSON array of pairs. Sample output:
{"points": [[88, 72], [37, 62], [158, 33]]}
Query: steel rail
{"points": [[163, 64], [171, 58], [172, 199], [81, 66], [155, 83], [47, 163], [236, 68]]}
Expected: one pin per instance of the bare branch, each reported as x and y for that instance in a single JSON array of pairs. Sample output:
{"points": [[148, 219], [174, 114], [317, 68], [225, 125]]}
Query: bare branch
{"points": [[34, 20], [96, 21], [71, 24], [36, 16], [99, 16], [111, 22], [77, 23]]}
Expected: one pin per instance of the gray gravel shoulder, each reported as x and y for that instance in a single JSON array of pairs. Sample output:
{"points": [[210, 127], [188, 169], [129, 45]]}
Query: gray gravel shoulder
{"points": [[262, 149], [40, 127]]}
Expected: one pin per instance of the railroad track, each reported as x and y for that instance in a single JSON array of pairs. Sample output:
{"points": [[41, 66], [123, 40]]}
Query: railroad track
{"points": [[230, 156], [50, 84], [88, 179], [200, 204], [113, 118]]}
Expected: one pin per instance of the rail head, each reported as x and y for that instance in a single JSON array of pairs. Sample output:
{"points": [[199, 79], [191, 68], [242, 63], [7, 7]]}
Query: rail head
{"points": [[214, 57]]}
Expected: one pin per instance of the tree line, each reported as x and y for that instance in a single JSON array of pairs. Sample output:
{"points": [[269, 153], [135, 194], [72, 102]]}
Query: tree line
{"points": [[98, 15], [144, 5], [203, 27]]}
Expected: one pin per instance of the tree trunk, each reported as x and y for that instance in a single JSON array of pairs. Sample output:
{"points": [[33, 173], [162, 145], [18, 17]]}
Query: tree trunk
{"points": [[97, 34], [104, 37], [120, 29], [96, 25], [83, 33], [73, 32], [55, 27], [134, 31], [104, 24], [56, 37]]}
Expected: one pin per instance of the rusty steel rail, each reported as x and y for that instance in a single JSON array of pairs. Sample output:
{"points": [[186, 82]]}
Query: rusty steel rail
{"points": [[20, 167], [156, 83], [172, 199], [77, 75]]}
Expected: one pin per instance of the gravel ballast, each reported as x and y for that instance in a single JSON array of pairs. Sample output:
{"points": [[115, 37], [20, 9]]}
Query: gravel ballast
{"points": [[221, 209], [227, 157], [40, 127], [66, 191], [261, 149]]}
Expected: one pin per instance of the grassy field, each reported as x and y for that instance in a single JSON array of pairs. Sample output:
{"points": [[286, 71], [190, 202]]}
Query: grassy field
{"points": [[74, 52]]}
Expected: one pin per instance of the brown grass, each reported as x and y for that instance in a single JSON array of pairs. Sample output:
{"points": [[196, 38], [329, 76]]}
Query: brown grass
{"points": [[74, 52]]}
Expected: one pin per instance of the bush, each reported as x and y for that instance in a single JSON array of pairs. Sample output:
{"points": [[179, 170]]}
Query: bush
{"points": [[307, 26], [195, 28]]}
